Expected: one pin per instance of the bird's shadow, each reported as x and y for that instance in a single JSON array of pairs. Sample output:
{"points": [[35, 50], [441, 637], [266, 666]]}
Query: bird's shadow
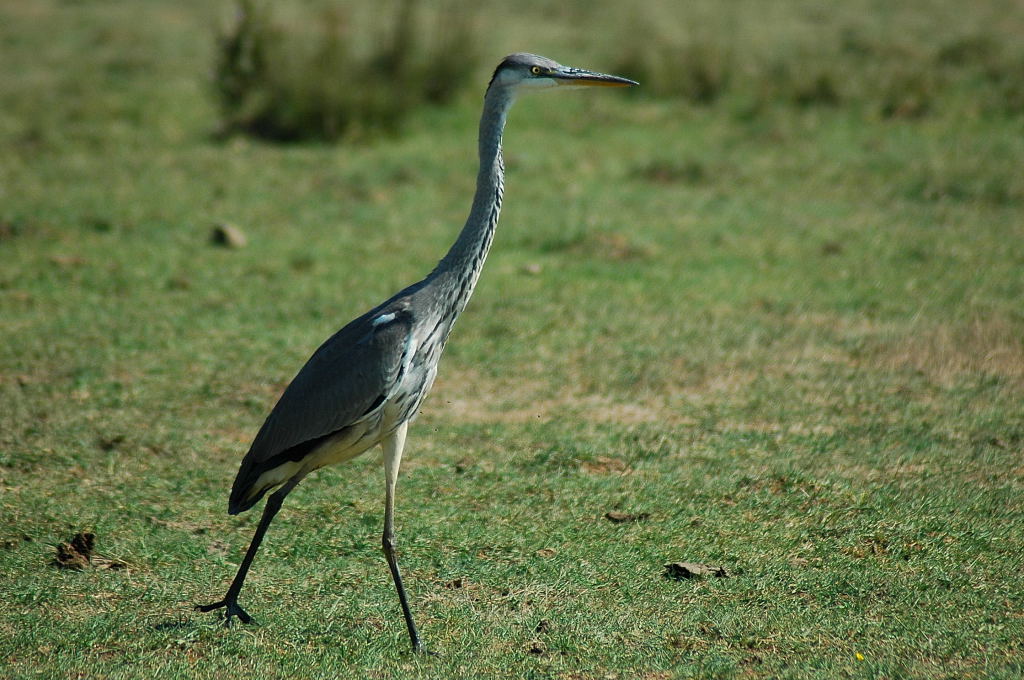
{"points": [[179, 622]]}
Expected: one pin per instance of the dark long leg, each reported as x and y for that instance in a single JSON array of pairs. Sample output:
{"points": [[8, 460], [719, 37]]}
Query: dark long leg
{"points": [[393, 446], [230, 601]]}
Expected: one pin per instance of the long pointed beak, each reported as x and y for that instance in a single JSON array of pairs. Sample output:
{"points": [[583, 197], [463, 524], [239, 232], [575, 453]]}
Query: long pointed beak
{"points": [[568, 75]]}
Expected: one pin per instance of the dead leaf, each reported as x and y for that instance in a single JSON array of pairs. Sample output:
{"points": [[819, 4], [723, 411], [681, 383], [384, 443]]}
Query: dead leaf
{"points": [[686, 570], [623, 517], [84, 542], [14, 542], [179, 282], [217, 548], [69, 558], [77, 553], [107, 563], [605, 465], [109, 443], [67, 261]]}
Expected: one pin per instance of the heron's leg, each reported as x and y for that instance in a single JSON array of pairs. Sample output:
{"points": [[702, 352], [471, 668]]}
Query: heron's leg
{"points": [[393, 446], [230, 601]]}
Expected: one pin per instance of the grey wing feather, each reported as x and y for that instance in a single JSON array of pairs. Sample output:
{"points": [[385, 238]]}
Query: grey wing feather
{"points": [[354, 370]]}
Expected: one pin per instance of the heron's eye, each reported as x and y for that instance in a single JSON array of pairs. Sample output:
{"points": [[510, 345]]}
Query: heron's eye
{"points": [[536, 70]]}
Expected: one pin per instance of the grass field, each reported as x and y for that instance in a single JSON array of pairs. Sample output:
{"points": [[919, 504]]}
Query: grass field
{"points": [[786, 337]]}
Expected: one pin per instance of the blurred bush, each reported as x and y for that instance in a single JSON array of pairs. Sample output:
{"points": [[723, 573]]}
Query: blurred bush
{"points": [[328, 71], [888, 64], [325, 69]]}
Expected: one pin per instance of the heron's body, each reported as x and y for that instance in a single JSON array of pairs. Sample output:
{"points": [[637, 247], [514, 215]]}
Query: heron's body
{"points": [[355, 424], [365, 384]]}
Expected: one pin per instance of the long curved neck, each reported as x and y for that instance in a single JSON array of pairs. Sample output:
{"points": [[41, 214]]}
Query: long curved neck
{"points": [[461, 266]]}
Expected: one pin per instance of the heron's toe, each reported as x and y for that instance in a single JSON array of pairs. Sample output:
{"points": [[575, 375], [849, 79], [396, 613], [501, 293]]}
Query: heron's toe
{"points": [[231, 609]]}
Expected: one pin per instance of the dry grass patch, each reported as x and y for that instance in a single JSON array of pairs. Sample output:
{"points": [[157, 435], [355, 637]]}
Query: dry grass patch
{"points": [[803, 385], [946, 353], [465, 396]]}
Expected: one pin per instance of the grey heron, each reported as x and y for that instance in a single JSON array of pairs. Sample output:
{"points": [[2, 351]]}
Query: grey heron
{"points": [[365, 383]]}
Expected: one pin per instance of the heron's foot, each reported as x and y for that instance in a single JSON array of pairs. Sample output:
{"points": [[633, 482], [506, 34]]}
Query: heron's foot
{"points": [[420, 649], [231, 608]]}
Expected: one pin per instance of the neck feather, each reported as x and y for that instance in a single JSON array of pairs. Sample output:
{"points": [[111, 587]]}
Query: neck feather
{"points": [[464, 260]]}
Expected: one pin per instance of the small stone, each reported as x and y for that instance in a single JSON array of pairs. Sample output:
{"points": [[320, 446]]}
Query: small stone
{"points": [[228, 235], [532, 268]]}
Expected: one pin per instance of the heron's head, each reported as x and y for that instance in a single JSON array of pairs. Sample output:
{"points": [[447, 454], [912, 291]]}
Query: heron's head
{"points": [[523, 71]]}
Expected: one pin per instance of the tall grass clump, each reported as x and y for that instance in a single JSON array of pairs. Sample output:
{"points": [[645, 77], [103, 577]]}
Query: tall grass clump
{"points": [[332, 71]]}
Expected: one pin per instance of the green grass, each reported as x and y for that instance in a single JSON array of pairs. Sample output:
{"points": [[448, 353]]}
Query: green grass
{"points": [[791, 335]]}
